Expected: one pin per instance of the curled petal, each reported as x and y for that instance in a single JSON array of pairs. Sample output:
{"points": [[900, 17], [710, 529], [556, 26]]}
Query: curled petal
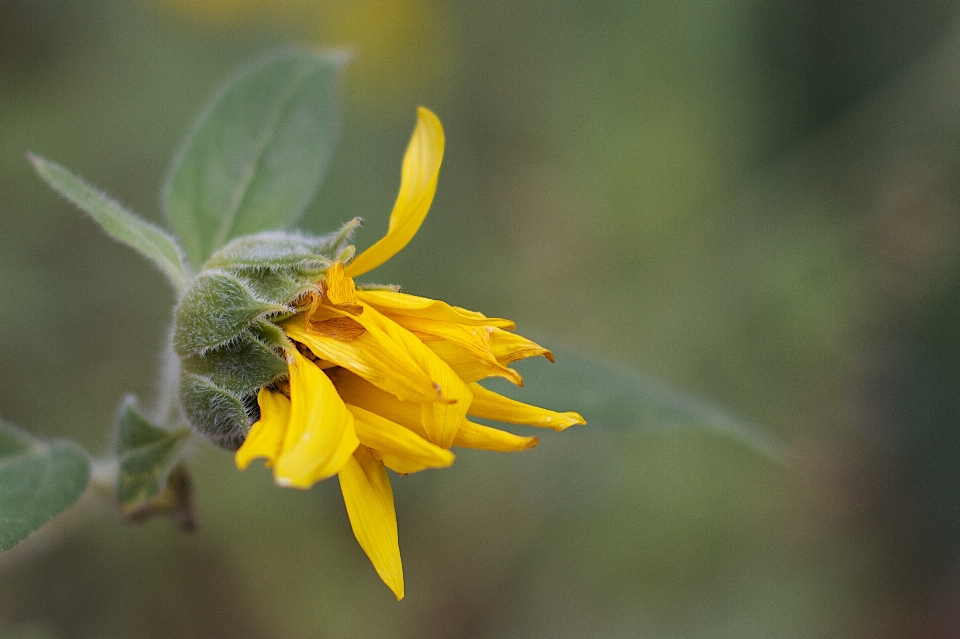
{"points": [[396, 305], [321, 436], [369, 500], [473, 339], [357, 391], [468, 366], [409, 451], [339, 290], [509, 347], [418, 183], [490, 405], [482, 437], [440, 418], [371, 355], [266, 436]]}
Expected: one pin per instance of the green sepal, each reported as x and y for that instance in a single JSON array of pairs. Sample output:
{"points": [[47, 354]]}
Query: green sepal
{"points": [[271, 335], [275, 249], [215, 412], [38, 480], [215, 310], [243, 366], [280, 287], [147, 239], [339, 240], [258, 154], [146, 455]]}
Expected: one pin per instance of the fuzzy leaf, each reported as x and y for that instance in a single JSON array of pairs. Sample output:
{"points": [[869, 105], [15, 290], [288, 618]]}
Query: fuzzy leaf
{"points": [[214, 311], [614, 398], [38, 480], [146, 455], [256, 158], [150, 241]]}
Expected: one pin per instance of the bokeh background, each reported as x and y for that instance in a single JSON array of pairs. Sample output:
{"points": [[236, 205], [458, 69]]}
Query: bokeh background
{"points": [[756, 201]]}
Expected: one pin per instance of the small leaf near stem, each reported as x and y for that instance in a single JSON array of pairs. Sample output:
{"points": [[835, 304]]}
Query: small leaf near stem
{"points": [[147, 456]]}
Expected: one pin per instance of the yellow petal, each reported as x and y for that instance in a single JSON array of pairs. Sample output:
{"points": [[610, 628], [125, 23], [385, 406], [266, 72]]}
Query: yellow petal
{"points": [[394, 442], [465, 365], [473, 339], [490, 405], [509, 347], [369, 501], [340, 290], [440, 419], [320, 437], [473, 435], [357, 391], [395, 305], [418, 183], [441, 416], [372, 355], [266, 436]]}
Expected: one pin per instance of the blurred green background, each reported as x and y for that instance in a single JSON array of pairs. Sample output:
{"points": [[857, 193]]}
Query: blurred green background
{"points": [[754, 201]]}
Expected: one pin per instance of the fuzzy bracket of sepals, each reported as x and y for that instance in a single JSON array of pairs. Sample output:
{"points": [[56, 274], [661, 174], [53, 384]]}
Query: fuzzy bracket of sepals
{"points": [[225, 330]]}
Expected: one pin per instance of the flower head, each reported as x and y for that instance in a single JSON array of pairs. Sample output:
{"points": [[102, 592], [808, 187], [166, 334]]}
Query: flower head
{"points": [[347, 380]]}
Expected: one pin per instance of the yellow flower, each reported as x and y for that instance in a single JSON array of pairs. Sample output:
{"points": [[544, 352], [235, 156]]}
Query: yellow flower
{"points": [[383, 380]]}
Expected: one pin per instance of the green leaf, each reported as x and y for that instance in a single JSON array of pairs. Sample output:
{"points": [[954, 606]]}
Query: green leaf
{"points": [[613, 398], [38, 480], [146, 456], [257, 156], [216, 309], [150, 241]]}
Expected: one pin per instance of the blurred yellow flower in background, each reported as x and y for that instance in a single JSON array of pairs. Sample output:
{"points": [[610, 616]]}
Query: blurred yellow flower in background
{"points": [[399, 46], [380, 379]]}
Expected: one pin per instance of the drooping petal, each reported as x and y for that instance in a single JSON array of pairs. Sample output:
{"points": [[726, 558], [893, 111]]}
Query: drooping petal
{"points": [[266, 436], [408, 451], [394, 305], [321, 436], [473, 435], [418, 183], [490, 405], [372, 356], [369, 500]]}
